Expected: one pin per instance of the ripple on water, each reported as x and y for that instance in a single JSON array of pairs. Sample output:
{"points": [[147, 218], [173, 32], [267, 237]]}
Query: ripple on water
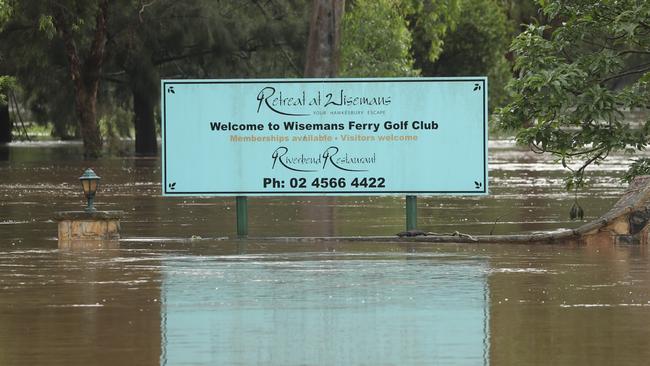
{"points": [[623, 305], [523, 270]]}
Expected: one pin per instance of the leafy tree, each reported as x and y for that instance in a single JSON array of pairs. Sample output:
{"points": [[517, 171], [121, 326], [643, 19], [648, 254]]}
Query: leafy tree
{"points": [[377, 40], [5, 81], [5, 12], [84, 48], [429, 21], [477, 46], [146, 41], [577, 78], [70, 29], [521, 13], [30, 51], [381, 38], [198, 39]]}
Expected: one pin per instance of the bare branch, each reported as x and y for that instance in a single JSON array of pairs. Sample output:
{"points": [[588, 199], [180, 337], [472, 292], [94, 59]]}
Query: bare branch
{"points": [[628, 73], [62, 26], [144, 6], [98, 46], [641, 52]]}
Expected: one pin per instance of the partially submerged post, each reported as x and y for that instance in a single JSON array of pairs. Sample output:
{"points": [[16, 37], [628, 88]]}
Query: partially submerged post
{"points": [[242, 216], [90, 226], [411, 212], [83, 225], [627, 222]]}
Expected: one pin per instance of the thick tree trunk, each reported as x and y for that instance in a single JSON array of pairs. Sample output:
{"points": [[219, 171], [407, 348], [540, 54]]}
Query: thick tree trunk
{"points": [[5, 124], [86, 107], [143, 81], [145, 124], [322, 61], [86, 75], [324, 38]]}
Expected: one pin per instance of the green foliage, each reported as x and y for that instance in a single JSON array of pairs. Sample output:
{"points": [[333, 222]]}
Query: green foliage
{"points": [[35, 56], [114, 126], [429, 21], [204, 38], [28, 55], [5, 81], [147, 41], [198, 39], [117, 122], [46, 25], [477, 46], [376, 40], [522, 12], [5, 12], [577, 77], [637, 168], [382, 37]]}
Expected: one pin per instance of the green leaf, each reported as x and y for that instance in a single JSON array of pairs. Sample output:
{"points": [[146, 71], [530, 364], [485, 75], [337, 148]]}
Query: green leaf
{"points": [[46, 25], [579, 84]]}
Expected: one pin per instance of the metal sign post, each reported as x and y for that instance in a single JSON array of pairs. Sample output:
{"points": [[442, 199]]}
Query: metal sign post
{"points": [[242, 216], [411, 212]]}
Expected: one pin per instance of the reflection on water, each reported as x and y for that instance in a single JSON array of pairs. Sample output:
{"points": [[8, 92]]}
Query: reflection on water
{"points": [[294, 305], [577, 307], [64, 308], [324, 310], [159, 298]]}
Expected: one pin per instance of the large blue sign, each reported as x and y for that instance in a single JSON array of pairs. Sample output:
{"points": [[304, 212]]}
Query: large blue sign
{"points": [[325, 136]]}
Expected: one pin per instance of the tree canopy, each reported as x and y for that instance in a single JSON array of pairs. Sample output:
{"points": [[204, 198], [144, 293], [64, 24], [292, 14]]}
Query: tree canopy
{"points": [[104, 59], [366, 52], [142, 43], [5, 84], [477, 45], [5, 13], [384, 37], [578, 78]]}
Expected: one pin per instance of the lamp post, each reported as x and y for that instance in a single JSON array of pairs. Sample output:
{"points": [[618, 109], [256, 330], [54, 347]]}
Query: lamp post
{"points": [[89, 228], [89, 182]]}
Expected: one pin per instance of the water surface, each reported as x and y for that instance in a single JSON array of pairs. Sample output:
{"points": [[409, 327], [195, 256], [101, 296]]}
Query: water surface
{"points": [[161, 299]]}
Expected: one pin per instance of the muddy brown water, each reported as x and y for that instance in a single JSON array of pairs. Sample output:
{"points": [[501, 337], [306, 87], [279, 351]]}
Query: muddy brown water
{"points": [[161, 299]]}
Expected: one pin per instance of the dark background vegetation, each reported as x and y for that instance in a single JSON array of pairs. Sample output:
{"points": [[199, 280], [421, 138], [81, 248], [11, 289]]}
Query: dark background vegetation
{"points": [[564, 76], [91, 69]]}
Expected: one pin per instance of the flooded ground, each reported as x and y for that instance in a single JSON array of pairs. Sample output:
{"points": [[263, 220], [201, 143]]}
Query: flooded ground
{"points": [[160, 299]]}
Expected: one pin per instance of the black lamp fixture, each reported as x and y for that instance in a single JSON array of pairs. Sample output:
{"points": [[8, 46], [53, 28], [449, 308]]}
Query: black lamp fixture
{"points": [[89, 182]]}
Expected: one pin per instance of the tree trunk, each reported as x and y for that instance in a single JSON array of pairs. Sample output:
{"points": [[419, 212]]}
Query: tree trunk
{"points": [[322, 61], [324, 41], [145, 124], [5, 124], [86, 75], [86, 107], [143, 81]]}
